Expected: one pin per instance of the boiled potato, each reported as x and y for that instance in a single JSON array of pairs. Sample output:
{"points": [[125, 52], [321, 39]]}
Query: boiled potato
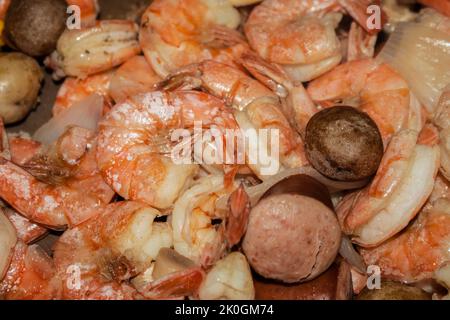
{"points": [[34, 27], [20, 81]]}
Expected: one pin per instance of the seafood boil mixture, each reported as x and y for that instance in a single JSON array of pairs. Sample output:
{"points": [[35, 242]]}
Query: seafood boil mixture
{"points": [[226, 149]]}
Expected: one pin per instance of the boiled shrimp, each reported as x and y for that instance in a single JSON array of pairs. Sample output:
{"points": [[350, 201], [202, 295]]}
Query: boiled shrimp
{"points": [[26, 272], [402, 185], [194, 233], [133, 77], [300, 35], [374, 88], [20, 149], [107, 44], [230, 279], [68, 189], [256, 107], [134, 147], [74, 90], [420, 251], [175, 33], [97, 259]]}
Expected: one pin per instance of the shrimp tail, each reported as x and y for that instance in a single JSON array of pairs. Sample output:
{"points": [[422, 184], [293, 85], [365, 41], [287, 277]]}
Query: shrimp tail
{"points": [[297, 105], [175, 285], [360, 11], [271, 75], [223, 37], [239, 211]]}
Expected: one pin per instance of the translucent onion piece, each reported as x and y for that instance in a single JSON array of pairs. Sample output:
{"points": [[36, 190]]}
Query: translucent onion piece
{"points": [[420, 52], [85, 114], [348, 252]]}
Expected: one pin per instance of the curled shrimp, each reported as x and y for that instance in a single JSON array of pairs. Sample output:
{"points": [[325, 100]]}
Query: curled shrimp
{"points": [[175, 33], [402, 185], [194, 233], [68, 189], [107, 44], [134, 143], [256, 107], [230, 278], [20, 150], [26, 272], [74, 90], [374, 88], [442, 121], [133, 77], [300, 35], [97, 259], [420, 251]]}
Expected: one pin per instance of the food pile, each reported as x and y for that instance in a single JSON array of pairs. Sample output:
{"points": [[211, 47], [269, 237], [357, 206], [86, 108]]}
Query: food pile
{"points": [[239, 149]]}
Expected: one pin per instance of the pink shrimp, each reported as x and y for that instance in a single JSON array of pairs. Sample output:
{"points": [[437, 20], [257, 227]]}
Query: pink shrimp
{"points": [[419, 251], [26, 272], [135, 136], [84, 52], [194, 234], [99, 258], [255, 106], [133, 77], [175, 33], [402, 185], [69, 188], [300, 35], [74, 90]]}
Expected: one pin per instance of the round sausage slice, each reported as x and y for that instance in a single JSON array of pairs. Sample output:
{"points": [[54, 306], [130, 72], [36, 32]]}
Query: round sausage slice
{"points": [[291, 237]]}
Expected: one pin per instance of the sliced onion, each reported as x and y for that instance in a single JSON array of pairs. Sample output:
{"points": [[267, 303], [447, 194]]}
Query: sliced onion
{"points": [[86, 114], [256, 192], [348, 252], [420, 52]]}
